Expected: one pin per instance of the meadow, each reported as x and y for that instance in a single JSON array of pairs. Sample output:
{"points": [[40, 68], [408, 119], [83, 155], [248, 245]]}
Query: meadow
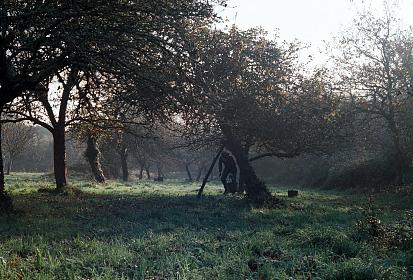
{"points": [[148, 230]]}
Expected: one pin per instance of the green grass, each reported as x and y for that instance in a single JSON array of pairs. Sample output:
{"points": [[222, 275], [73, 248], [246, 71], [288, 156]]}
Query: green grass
{"points": [[150, 230]]}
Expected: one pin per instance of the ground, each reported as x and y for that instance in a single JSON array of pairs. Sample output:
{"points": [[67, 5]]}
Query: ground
{"points": [[150, 230]]}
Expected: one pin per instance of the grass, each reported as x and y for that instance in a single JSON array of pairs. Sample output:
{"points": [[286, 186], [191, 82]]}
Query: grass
{"points": [[150, 230]]}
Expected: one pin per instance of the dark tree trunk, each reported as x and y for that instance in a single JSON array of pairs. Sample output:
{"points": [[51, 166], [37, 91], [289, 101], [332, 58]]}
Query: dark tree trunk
{"points": [[9, 163], [254, 187], [93, 156], [123, 152], [159, 168], [141, 172], [6, 204], [188, 172], [59, 160], [148, 173]]}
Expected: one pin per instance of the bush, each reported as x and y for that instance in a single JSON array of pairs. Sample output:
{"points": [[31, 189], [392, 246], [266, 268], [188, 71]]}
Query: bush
{"points": [[372, 173], [397, 235]]}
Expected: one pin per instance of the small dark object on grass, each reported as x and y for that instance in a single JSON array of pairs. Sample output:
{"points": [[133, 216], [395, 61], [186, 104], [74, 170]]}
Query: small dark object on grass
{"points": [[159, 179], [292, 193]]}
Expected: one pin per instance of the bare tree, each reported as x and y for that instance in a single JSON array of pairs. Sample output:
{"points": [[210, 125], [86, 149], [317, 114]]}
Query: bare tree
{"points": [[16, 138], [375, 63]]}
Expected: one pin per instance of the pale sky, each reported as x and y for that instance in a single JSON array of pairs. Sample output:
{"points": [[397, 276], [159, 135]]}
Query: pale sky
{"points": [[309, 21]]}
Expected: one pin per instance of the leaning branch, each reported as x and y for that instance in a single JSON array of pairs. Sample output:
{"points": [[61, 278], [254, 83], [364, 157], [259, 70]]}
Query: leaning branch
{"points": [[209, 171]]}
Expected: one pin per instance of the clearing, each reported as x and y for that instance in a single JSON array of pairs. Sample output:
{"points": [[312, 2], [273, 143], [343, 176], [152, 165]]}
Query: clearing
{"points": [[147, 230]]}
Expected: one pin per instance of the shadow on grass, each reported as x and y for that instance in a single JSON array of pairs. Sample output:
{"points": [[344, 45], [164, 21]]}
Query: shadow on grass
{"points": [[61, 217]]}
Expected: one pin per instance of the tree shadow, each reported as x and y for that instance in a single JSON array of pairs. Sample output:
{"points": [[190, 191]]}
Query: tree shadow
{"points": [[57, 217], [108, 216]]}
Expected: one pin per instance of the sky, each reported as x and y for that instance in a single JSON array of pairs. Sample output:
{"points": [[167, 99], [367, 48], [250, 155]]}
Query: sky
{"points": [[309, 21]]}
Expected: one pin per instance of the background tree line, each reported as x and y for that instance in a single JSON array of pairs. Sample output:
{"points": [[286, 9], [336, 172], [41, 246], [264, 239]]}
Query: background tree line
{"points": [[155, 87]]}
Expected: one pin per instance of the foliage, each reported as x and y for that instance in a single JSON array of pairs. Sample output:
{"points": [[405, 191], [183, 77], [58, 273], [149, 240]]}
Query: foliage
{"points": [[373, 173], [397, 234]]}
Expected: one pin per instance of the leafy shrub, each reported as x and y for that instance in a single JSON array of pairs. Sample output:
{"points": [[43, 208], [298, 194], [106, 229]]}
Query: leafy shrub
{"points": [[397, 235], [371, 173]]}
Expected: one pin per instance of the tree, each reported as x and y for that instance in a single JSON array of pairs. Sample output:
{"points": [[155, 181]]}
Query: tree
{"points": [[16, 137], [38, 108], [375, 61], [40, 39], [247, 93], [93, 156]]}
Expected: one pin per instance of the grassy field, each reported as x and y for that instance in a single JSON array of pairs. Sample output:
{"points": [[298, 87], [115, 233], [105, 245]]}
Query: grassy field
{"points": [[152, 230]]}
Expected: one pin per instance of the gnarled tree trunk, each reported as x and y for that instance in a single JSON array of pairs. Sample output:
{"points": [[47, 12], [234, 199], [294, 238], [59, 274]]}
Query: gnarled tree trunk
{"points": [[93, 156], [59, 160], [254, 187]]}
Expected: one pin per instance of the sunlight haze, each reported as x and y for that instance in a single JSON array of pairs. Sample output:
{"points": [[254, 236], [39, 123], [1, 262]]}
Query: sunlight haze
{"points": [[310, 22]]}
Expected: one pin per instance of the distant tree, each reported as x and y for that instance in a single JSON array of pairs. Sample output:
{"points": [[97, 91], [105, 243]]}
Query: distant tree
{"points": [[16, 138], [143, 150], [375, 63], [93, 156]]}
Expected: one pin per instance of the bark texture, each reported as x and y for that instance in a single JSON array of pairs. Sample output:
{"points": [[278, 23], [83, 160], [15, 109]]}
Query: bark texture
{"points": [[123, 153], [254, 187], [59, 152], [93, 157]]}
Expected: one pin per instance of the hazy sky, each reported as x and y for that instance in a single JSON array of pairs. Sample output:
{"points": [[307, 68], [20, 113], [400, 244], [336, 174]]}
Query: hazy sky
{"points": [[310, 21]]}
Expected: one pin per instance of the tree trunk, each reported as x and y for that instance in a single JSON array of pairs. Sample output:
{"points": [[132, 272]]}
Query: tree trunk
{"points": [[200, 170], [59, 160], [148, 173], [254, 187], [188, 172], [159, 168], [6, 204], [123, 152], [93, 156], [141, 172], [9, 163]]}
